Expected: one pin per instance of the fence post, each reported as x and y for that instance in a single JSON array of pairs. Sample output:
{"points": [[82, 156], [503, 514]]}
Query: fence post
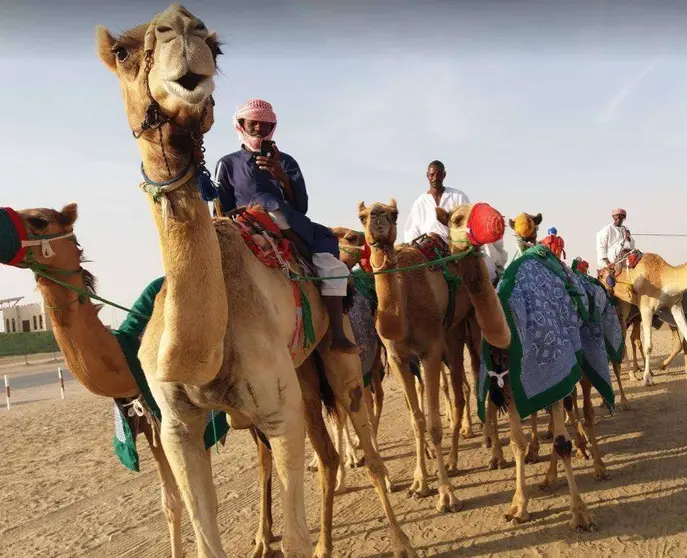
{"points": [[61, 377], [7, 392]]}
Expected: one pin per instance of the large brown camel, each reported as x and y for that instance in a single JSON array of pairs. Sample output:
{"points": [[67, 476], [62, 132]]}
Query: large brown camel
{"points": [[458, 223], [222, 325], [651, 284], [410, 321], [92, 353]]}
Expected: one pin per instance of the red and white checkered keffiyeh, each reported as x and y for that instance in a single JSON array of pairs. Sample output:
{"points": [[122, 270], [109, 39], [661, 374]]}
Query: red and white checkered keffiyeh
{"points": [[254, 109]]}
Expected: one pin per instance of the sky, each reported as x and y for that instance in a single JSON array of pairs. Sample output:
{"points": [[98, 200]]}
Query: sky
{"points": [[568, 109]]}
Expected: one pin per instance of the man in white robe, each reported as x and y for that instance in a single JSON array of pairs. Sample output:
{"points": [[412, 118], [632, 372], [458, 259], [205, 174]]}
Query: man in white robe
{"points": [[613, 240], [423, 217]]}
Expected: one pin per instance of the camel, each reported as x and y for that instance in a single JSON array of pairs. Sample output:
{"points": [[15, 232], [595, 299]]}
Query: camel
{"points": [[92, 352], [649, 283], [221, 332], [410, 321], [459, 229], [636, 343]]}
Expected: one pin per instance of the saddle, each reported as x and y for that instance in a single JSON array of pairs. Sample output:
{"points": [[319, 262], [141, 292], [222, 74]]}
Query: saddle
{"points": [[432, 247], [627, 259]]}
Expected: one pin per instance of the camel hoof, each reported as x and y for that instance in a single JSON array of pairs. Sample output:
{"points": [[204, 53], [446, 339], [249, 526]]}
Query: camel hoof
{"points": [[581, 454], [262, 549], [547, 485], [487, 443], [648, 381], [467, 432], [321, 552], [582, 522], [532, 455], [498, 463], [517, 515], [448, 503], [418, 490], [601, 474], [453, 471]]}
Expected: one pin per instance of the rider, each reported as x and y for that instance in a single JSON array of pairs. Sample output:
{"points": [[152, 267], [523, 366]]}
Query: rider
{"points": [[423, 218], [614, 240], [555, 243], [276, 183]]}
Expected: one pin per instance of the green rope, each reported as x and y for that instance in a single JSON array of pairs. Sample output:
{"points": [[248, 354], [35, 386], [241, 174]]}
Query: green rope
{"points": [[214, 430], [308, 328], [453, 282]]}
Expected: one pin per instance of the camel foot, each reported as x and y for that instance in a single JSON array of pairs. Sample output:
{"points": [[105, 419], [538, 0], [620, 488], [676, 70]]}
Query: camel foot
{"points": [[430, 453], [419, 489], [532, 455], [466, 432], [448, 503], [547, 485], [403, 548], [498, 463], [648, 381], [353, 463], [517, 514], [340, 487], [452, 470], [600, 473], [582, 520], [262, 547], [321, 551], [487, 442], [582, 454]]}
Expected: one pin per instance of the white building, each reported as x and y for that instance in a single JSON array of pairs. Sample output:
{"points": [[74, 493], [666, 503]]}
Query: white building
{"points": [[26, 318]]}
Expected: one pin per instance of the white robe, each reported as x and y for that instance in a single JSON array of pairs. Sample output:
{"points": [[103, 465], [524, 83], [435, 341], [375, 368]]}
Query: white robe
{"points": [[610, 241], [423, 220]]}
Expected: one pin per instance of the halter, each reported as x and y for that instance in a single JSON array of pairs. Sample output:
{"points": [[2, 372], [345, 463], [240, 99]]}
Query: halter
{"points": [[155, 118]]}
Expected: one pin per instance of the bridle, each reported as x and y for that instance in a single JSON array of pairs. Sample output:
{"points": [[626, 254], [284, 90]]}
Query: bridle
{"points": [[155, 119]]}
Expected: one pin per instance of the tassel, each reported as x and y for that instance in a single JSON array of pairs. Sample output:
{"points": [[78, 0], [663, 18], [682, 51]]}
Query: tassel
{"points": [[308, 329], [208, 190]]}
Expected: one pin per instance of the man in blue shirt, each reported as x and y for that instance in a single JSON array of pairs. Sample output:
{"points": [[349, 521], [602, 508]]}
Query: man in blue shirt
{"points": [[276, 183]]}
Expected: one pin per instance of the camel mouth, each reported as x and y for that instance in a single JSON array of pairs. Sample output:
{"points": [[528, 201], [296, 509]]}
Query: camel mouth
{"points": [[190, 81], [191, 88]]}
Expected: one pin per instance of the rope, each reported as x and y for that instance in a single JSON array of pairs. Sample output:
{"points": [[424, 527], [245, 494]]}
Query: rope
{"points": [[660, 234]]}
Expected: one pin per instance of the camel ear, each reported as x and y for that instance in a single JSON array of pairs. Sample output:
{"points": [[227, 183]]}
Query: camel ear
{"points": [[361, 208], [68, 215], [392, 203], [537, 219], [104, 43], [511, 224], [442, 216]]}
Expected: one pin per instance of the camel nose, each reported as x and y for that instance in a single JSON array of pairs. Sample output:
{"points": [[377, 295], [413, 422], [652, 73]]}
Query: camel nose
{"points": [[486, 224]]}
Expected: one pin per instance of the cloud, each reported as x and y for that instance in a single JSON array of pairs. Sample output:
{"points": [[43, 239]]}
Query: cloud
{"points": [[607, 115]]}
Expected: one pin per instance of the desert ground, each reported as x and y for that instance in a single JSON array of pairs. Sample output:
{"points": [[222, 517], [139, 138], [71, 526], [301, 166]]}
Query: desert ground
{"points": [[64, 494]]}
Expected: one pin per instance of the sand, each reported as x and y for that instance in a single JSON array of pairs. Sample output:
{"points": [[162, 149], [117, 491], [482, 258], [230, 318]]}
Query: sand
{"points": [[66, 495]]}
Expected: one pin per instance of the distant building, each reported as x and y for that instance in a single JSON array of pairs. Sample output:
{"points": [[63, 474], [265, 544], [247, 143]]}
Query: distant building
{"points": [[24, 318]]}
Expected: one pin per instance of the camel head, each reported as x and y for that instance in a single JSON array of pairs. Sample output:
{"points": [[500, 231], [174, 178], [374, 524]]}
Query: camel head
{"points": [[171, 62], [380, 222], [40, 235], [351, 245], [526, 226], [471, 226]]}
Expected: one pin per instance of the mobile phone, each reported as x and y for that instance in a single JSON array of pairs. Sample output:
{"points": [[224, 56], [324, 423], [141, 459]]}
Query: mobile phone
{"points": [[267, 148]]}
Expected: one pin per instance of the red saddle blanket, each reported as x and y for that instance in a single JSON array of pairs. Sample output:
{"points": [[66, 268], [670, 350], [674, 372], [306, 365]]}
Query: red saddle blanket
{"points": [[262, 236], [432, 247]]}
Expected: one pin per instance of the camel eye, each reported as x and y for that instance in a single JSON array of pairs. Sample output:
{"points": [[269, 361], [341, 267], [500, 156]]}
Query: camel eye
{"points": [[38, 223], [121, 53]]}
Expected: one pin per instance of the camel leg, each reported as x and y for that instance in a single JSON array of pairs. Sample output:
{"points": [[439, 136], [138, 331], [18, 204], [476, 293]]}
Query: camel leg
{"points": [[345, 378], [574, 415], [182, 442], [581, 517], [517, 512], [679, 317], [473, 341], [677, 347], [647, 316], [171, 499], [339, 420], [447, 398], [636, 343], [600, 472], [532, 455], [402, 373], [264, 536], [420, 387], [432, 368], [624, 404], [497, 461], [378, 396]]}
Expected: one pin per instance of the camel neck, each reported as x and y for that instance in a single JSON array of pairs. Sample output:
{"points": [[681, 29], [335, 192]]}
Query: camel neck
{"points": [[388, 286], [91, 351]]}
